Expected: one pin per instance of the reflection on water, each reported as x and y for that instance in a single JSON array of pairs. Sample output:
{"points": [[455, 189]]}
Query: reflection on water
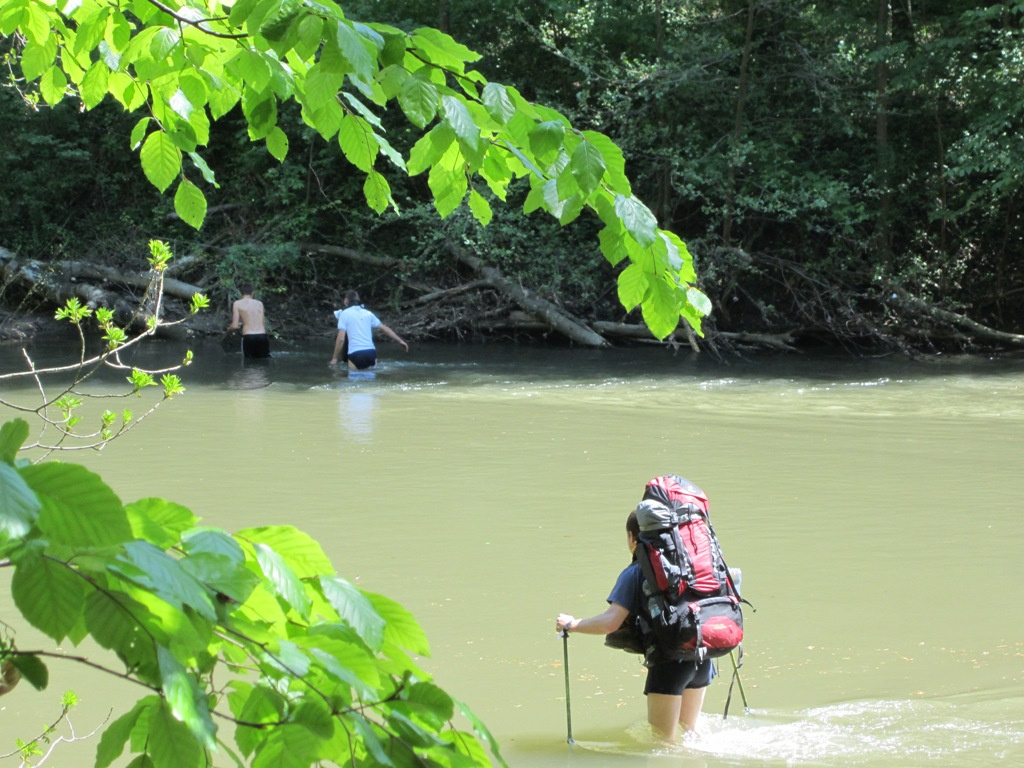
{"points": [[355, 414], [251, 374]]}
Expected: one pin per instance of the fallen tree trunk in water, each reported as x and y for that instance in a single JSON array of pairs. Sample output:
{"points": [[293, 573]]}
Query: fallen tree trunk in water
{"points": [[976, 329], [542, 309], [62, 280]]}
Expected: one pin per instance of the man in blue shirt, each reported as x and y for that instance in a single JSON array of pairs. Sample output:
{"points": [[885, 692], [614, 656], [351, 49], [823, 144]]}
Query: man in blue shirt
{"points": [[356, 324]]}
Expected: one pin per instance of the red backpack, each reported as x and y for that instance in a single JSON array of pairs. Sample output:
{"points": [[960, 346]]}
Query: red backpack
{"points": [[691, 606]]}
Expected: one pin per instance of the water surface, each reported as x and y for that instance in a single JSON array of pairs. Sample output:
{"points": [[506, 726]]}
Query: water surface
{"points": [[873, 506]]}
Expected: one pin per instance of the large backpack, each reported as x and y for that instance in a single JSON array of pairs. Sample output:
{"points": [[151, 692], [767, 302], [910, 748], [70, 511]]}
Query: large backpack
{"points": [[691, 605]]}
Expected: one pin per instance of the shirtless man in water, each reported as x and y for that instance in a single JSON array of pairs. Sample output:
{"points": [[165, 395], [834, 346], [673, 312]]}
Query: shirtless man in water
{"points": [[248, 312]]}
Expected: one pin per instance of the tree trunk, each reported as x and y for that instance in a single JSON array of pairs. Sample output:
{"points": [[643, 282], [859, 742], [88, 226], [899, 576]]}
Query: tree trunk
{"points": [[539, 308]]}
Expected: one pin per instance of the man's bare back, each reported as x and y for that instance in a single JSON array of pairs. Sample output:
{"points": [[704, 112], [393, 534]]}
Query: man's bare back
{"points": [[248, 312]]}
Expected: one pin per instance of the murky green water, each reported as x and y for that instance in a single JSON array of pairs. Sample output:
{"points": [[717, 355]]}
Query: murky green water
{"points": [[874, 507]]}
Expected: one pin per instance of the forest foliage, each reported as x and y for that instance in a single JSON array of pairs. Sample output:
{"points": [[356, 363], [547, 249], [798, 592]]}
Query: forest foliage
{"points": [[838, 172]]}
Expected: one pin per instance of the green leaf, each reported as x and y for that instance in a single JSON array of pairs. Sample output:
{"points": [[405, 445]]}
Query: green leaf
{"points": [[481, 730], [288, 746], [546, 140], [638, 220], [371, 741], [49, 594], [448, 183], [310, 32], [699, 301], [301, 551], [277, 144], [159, 521], [390, 152], [400, 626], [527, 162], [498, 103], [391, 80], [223, 99], [347, 662], [94, 86], [35, 24], [190, 204], [32, 669], [283, 30], [430, 148], [261, 112], [615, 163], [480, 208], [355, 609], [660, 309], [152, 569], [430, 704], [355, 137], [212, 541], [13, 15], [353, 50], [203, 168], [680, 259], [118, 623], [241, 10], [187, 701], [326, 120], [116, 735], [161, 160], [170, 743], [251, 67], [612, 245], [287, 659], [377, 192], [588, 167], [321, 86], [442, 49], [418, 99], [457, 116], [315, 716], [253, 704], [37, 59], [13, 435], [223, 575], [571, 210], [78, 508], [19, 507], [282, 578], [53, 85], [632, 286], [361, 109], [410, 733]]}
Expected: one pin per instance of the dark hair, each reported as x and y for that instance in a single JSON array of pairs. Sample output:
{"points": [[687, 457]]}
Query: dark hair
{"points": [[245, 288], [633, 525], [352, 297]]}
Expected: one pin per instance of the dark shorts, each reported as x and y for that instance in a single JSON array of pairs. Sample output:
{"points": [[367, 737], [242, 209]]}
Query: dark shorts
{"points": [[363, 359], [256, 345], [673, 677]]}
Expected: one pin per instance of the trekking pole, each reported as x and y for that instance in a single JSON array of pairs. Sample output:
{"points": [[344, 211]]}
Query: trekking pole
{"points": [[568, 701], [735, 679]]}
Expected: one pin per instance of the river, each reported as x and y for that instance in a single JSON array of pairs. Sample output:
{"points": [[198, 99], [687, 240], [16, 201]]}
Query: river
{"points": [[874, 507]]}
